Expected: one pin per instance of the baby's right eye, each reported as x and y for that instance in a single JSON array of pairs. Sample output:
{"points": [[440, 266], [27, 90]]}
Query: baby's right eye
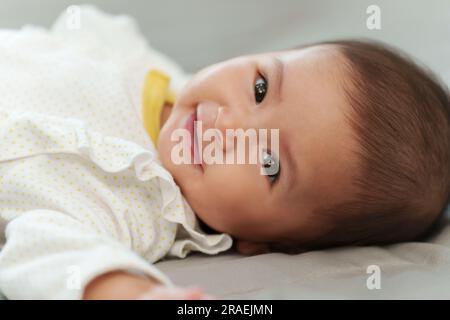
{"points": [[260, 89]]}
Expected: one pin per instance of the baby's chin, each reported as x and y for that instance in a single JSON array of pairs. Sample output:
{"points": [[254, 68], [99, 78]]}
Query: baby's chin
{"points": [[204, 227]]}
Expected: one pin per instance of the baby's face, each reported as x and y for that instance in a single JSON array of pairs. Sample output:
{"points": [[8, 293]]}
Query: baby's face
{"points": [[298, 92]]}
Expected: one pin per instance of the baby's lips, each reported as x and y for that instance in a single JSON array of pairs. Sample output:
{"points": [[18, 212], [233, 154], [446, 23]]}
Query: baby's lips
{"points": [[207, 113]]}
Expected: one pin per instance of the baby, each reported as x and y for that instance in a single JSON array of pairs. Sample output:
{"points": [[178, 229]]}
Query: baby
{"points": [[366, 163], [363, 159]]}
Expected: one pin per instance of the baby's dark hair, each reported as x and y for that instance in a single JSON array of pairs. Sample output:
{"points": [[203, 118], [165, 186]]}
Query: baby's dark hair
{"points": [[400, 116]]}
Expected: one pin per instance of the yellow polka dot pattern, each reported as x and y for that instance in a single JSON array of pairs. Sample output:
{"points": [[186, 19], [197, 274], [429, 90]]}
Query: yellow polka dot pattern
{"points": [[81, 189]]}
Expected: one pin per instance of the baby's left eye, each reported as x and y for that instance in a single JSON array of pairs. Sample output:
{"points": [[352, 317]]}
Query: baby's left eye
{"points": [[260, 89], [271, 166]]}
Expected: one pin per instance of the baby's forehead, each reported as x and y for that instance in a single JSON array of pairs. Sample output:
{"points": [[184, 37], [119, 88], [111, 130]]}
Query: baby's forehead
{"points": [[318, 72], [321, 67]]}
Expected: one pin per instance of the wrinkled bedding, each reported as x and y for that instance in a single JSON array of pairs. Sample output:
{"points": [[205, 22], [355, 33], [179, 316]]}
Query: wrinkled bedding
{"points": [[413, 270]]}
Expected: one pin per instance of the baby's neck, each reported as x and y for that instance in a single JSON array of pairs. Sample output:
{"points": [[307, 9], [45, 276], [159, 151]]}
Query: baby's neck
{"points": [[207, 229]]}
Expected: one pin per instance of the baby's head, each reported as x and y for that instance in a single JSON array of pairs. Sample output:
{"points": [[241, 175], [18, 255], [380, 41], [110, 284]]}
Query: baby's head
{"points": [[364, 147]]}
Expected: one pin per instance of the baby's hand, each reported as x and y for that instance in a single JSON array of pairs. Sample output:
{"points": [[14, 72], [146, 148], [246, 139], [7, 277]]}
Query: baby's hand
{"points": [[160, 292], [122, 285]]}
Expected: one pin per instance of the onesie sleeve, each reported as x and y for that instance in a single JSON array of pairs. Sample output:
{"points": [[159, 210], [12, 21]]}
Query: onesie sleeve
{"points": [[75, 204], [115, 37], [49, 255]]}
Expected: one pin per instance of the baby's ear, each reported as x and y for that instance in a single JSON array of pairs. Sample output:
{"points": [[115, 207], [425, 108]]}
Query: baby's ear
{"points": [[250, 248]]}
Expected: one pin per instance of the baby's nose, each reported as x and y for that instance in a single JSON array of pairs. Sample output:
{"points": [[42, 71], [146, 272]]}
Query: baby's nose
{"points": [[220, 117], [207, 112], [232, 118]]}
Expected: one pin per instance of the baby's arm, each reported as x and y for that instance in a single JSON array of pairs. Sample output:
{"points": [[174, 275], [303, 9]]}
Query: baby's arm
{"points": [[51, 255]]}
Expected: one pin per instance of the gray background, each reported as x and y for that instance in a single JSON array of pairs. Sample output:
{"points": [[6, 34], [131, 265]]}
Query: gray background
{"points": [[199, 32]]}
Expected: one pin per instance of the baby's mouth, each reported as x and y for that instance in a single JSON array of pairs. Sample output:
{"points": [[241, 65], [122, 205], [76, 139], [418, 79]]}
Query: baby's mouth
{"points": [[194, 146], [191, 126]]}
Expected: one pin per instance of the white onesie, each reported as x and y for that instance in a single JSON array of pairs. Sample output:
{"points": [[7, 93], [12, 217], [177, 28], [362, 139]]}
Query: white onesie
{"points": [[82, 191]]}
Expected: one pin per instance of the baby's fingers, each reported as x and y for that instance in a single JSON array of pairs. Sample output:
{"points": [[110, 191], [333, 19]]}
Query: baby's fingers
{"points": [[198, 294], [165, 293]]}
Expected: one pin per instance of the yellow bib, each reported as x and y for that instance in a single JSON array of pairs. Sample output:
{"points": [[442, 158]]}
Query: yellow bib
{"points": [[155, 94]]}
